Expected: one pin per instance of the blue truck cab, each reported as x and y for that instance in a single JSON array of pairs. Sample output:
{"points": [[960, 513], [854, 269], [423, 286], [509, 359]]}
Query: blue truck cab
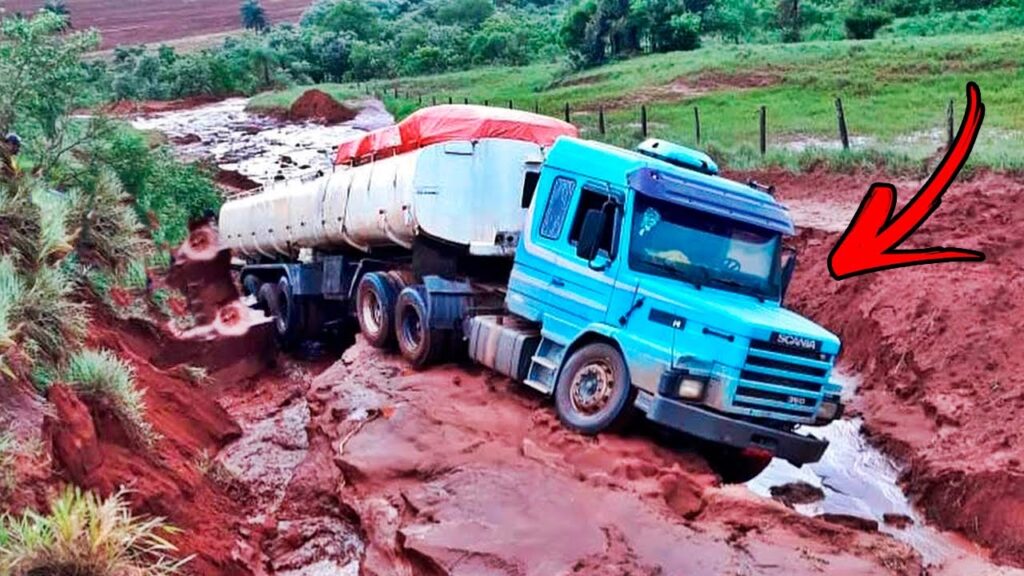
{"points": [[656, 285]]}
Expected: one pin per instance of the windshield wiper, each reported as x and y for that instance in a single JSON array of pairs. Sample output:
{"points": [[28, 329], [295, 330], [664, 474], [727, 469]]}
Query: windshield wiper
{"points": [[744, 288], [682, 274]]}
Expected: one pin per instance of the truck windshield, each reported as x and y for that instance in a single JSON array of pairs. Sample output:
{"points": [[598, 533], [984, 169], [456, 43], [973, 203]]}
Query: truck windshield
{"points": [[704, 249]]}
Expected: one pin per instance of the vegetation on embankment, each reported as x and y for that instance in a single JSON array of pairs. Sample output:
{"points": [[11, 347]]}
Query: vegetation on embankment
{"points": [[895, 93]]}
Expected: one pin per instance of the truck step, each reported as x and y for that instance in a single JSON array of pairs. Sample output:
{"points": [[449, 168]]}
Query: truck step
{"points": [[546, 363], [539, 386]]}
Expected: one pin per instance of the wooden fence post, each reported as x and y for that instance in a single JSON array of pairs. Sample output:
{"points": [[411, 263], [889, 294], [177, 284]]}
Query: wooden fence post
{"points": [[536, 106], [433, 100], [487, 102], [510, 106], [396, 92], [763, 123], [950, 130], [844, 134], [643, 120], [567, 119], [449, 99], [600, 120], [696, 123], [419, 100], [465, 100]]}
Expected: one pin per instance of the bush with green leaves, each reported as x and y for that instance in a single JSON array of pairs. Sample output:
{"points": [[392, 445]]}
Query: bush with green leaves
{"points": [[106, 223], [101, 374], [88, 536], [862, 23]]}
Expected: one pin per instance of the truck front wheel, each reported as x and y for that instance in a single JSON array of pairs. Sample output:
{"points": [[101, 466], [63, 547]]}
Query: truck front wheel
{"points": [[418, 343], [376, 299], [593, 393]]}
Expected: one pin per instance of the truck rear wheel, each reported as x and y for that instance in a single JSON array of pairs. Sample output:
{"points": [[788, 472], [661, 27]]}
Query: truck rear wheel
{"points": [[418, 343], [593, 393], [376, 299]]}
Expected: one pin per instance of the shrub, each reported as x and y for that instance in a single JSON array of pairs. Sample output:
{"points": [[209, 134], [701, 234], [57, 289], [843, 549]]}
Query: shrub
{"points": [[106, 224], [864, 22], [84, 535], [7, 478], [11, 289], [51, 325], [99, 373]]}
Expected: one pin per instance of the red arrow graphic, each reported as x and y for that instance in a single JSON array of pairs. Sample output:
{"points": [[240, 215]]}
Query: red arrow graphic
{"points": [[870, 242]]}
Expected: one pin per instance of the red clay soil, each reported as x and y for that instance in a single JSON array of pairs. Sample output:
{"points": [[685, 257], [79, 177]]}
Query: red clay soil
{"points": [[137, 107], [938, 347], [318, 106], [155, 21], [455, 471]]}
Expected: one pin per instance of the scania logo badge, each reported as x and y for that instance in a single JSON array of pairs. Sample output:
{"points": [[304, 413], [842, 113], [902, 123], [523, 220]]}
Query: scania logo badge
{"points": [[797, 342]]}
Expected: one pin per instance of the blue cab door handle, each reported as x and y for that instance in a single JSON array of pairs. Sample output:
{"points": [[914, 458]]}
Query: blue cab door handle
{"points": [[557, 282]]}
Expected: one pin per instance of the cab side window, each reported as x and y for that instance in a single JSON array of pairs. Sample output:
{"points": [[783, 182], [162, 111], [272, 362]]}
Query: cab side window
{"points": [[595, 200], [557, 208]]}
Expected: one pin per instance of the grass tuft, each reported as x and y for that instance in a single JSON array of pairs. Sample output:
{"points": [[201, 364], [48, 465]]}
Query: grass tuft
{"points": [[50, 323], [85, 535], [106, 224], [99, 373]]}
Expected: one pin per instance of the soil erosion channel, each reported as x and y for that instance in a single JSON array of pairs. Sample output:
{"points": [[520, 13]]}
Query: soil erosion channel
{"points": [[433, 484]]}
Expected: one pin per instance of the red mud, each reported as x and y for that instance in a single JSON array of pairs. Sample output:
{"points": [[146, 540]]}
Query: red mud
{"points": [[938, 346], [137, 107], [317, 106], [456, 471]]}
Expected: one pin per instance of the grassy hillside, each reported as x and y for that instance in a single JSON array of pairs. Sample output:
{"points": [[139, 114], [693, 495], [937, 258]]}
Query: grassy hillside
{"points": [[895, 92]]}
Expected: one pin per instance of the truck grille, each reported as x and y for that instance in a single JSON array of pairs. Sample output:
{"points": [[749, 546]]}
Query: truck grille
{"points": [[783, 382]]}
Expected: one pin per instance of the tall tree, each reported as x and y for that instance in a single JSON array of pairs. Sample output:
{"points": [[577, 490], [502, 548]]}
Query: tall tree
{"points": [[789, 20], [254, 17]]}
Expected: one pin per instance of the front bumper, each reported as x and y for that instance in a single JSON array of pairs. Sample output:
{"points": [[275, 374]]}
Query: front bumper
{"points": [[714, 427]]}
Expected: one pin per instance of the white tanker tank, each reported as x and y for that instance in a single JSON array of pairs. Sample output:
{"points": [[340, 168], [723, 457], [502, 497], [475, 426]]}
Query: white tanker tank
{"points": [[463, 175]]}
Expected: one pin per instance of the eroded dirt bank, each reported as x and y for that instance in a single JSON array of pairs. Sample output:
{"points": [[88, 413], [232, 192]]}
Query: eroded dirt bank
{"points": [[938, 347], [457, 471]]}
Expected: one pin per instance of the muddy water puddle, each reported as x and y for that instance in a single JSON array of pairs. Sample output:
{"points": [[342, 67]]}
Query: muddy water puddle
{"points": [[261, 148], [858, 480]]}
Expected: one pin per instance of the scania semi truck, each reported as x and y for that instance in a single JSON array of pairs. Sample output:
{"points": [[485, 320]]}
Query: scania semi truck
{"points": [[620, 282]]}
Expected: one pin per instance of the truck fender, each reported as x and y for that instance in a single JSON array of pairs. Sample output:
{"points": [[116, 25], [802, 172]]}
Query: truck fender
{"points": [[448, 302]]}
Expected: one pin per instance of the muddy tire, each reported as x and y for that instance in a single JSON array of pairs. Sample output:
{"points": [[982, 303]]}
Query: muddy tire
{"points": [[733, 465], [251, 286], [288, 316], [376, 299], [419, 345], [593, 393], [267, 299]]}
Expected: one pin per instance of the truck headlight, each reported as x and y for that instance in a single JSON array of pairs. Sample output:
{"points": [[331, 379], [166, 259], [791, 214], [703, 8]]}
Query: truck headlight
{"points": [[830, 409], [691, 387]]}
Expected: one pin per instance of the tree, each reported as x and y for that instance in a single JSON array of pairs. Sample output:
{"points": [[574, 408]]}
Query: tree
{"points": [[60, 8], [468, 13], [734, 20], [254, 17], [789, 20]]}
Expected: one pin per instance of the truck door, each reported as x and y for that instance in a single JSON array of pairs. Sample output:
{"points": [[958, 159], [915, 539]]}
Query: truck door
{"points": [[569, 290]]}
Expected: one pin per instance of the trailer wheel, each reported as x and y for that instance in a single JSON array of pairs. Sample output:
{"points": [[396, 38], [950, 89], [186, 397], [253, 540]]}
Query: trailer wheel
{"points": [[418, 343], [267, 300], [288, 316], [250, 285], [376, 299], [593, 393]]}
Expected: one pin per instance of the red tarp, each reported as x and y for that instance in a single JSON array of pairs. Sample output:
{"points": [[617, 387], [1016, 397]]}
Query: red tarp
{"points": [[453, 122]]}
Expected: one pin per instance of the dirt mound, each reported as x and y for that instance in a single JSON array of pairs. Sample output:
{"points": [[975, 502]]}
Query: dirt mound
{"points": [[457, 471], [235, 180], [319, 106], [938, 348]]}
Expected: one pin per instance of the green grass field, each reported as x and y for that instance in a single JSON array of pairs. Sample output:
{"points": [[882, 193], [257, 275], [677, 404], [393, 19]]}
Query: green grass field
{"points": [[895, 92]]}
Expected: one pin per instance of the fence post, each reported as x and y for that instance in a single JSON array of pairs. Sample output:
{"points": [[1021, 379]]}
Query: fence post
{"points": [[487, 102], [949, 122], [643, 120], [844, 134], [396, 92], [449, 99], [536, 106], [510, 106], [600, 120], [696, 122], [465, 100], [567, 119], [419, 100], [433, 100], [763, 122]]}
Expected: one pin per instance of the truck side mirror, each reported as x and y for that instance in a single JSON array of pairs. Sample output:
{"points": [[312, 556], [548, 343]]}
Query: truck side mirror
{"points": [[789, 259], [589, 243]]}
